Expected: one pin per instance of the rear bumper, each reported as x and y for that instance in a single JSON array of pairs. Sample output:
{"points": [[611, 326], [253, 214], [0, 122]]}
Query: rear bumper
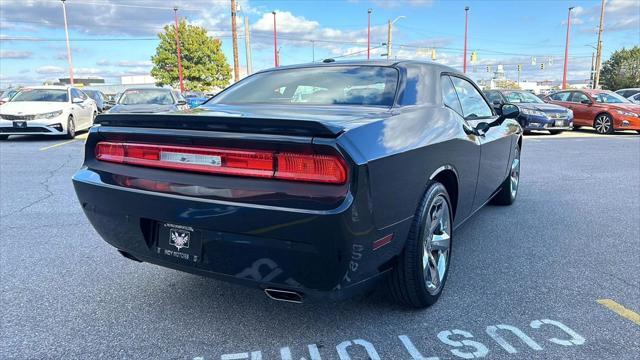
{"points": [[322, 254]]}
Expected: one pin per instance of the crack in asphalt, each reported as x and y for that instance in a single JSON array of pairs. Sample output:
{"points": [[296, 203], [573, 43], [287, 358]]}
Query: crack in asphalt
{"points": [[45, 184]]}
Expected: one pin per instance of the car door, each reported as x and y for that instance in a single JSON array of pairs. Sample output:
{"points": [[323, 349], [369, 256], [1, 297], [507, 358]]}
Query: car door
{"points": [[495, 143], [581, 111], [82, 109]]}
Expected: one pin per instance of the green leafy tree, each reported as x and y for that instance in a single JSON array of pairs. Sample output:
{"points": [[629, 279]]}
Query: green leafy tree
{"points": [[622, 70], [204, 65]]}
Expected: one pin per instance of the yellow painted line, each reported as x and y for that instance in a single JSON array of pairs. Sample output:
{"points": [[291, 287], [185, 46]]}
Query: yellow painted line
{"points": [[620, 310], [56, 145], [79, 137]]}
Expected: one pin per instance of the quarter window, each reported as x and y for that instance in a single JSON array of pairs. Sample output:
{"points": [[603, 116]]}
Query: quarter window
{"points": [[415, 90], [449, 96], [473, 104]]}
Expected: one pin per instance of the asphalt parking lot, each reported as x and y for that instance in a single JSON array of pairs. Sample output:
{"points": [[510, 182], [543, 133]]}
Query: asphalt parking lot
{"points": [[542, 279]]}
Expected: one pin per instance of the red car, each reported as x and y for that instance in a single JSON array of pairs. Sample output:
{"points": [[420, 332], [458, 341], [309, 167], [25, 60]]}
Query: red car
{"points": [[605, 110]]}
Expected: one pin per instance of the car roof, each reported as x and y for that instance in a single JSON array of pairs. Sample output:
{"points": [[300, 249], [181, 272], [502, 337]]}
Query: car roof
{"points": [[147, 88], [389, 63], [47, 87]]}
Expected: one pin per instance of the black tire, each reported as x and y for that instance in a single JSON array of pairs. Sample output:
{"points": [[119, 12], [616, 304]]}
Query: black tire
{"points": [[555, 132], [603, 123], [576, 127], [408, 281], [71, 128], [4, 137], [638, 131], [506, 195]]}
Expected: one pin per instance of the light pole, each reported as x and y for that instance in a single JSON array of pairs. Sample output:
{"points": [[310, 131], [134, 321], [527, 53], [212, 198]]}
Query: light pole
{"points": [[566, 51], [389, 35], [66, 32], [596, 76], [275, 40], [466, 28], [175, 16], [369, 34]]}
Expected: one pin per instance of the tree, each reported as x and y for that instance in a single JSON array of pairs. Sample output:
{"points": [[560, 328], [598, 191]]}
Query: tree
{"points": [[203, 62], [507, 84], [622, 70]]}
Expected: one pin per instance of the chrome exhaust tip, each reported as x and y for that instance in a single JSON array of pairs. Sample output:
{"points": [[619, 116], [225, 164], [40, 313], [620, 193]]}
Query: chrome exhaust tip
{"points": [[284, 295]]}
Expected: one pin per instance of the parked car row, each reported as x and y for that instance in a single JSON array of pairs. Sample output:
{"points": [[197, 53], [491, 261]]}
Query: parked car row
{"points": [[604, 110]]}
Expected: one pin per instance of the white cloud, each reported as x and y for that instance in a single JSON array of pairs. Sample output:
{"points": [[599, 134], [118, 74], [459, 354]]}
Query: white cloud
{"points": [[129, 63], [12, 54], [286, 23], [49, 69]]}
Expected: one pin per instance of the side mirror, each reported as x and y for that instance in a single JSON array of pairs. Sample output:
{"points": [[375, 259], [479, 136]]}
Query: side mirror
{"points": [[509, 111], [77, 100], [482, 128], [585, 101]]}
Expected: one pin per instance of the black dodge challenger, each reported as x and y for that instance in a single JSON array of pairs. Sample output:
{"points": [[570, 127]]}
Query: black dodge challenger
{"points": [[308, 182]]}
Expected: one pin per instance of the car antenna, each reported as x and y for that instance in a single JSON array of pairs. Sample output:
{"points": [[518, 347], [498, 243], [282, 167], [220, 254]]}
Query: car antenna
{"points": [[329, 60]]}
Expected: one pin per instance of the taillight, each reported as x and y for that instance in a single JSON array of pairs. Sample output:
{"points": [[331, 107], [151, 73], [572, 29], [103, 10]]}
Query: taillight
{"points": [[253, 163]]}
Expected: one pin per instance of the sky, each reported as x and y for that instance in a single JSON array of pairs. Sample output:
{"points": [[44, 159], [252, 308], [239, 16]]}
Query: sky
{"points": [[114, 38]]}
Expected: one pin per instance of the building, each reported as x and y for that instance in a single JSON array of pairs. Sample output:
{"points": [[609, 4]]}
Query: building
{"points": [[81, 81]]}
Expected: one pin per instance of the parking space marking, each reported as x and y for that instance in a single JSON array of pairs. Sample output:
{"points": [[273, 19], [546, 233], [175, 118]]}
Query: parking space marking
{"points": [[620, 310], [79, 137]]}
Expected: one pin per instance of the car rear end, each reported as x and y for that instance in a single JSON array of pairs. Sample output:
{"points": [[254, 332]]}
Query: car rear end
{"points": [[273, 205]]}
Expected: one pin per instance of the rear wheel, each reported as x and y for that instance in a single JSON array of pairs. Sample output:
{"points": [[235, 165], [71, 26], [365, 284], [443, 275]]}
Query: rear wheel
{"points": [[555, 132], [421, 272], [509, 188], [603, 124], [71, 128]]}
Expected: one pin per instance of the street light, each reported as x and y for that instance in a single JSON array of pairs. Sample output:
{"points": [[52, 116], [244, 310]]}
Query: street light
{"points": [[389, 34], [566, 51], [369, 34], [66, 32]]}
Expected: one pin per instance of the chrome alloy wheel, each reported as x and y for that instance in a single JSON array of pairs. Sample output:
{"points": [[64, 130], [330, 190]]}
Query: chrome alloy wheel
{"points": [[514, 174], [603, 124], [437, 244]]}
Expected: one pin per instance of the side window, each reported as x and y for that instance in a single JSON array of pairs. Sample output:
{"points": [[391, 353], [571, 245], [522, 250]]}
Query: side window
{"points": [[473, 104], [75, 94], [561, 96], [82, 95], [449, 96], [577, 97], [494, 96], [415, 89]]}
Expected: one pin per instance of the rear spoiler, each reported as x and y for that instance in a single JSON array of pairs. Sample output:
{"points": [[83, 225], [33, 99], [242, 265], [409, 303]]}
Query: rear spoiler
{"points": [[221, 123]]}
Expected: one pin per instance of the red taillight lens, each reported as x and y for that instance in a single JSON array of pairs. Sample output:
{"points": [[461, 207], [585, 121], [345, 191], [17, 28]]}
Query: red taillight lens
{"points": [[259, 163], [317, 168]]}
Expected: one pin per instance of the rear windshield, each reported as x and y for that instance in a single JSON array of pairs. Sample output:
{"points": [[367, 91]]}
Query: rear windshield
{"points": [[139, 97], [335, 85], [51, 95]]}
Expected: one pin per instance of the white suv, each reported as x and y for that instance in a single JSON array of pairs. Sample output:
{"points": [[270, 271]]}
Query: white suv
{"points": [[47, 110]]}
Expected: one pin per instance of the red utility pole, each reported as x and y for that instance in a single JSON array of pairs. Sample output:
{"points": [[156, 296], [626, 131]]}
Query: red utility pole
{"points": [[275, 40], [369, 35], [466, 28], [566, 51], [175, 12], [66, 31]]}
